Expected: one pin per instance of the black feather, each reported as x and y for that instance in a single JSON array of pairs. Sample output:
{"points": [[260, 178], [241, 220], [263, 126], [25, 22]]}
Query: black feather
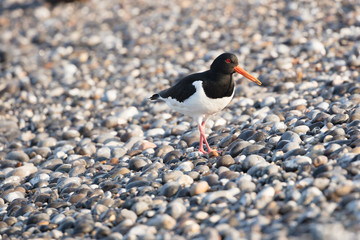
{"points": [[154, 97]]}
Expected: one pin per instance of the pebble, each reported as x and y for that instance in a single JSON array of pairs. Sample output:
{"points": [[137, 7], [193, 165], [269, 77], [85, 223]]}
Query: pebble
{"points": [[104, 152], [155, 132], [291, 136], [238, 147], [176, 209], [139, 231], [110, 95], [251, 161], [13, 195], [316, 46], [185, 180], [264, 197], [302, 129], [311, 194], [227, 194], [297, 161], [246, 185], [23, 171], [17, 156], [140, 207], [279, 127], [268, 101], [147, 145], [70, 134], [199, 188], [225, 160], [320, 160], [163, 150], [137, 163], [163, 221], [339, 118], [321, 183], [171, 176], [169, 189], [185, 166]]}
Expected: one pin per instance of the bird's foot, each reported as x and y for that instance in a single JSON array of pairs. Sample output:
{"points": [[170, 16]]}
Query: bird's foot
{"points": [[211, 152], [202, 150]]}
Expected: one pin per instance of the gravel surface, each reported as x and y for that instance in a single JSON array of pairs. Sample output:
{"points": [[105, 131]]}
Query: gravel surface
{"points": [[85, 154]]}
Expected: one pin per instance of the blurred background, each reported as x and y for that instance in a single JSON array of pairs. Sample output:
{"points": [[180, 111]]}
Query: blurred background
{"points": [[140, 42]]}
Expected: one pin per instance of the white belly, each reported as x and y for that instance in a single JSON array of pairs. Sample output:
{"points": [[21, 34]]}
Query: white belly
{"points": [[199, 104]]}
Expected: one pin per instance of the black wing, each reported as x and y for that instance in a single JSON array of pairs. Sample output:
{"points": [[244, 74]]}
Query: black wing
{"points": [[183, 89]]}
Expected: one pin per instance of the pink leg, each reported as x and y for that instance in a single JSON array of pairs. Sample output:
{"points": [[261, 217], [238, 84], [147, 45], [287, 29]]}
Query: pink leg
{"points": [[203, 137], [206, 142], [201, 147]]}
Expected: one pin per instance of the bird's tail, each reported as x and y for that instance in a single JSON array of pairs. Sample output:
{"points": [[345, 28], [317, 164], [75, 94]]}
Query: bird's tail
{"points": [[154, 97]]}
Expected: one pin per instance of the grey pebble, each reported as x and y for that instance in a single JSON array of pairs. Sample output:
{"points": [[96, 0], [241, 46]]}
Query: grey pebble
{"points": [[227, 194], [251, 161], [103, 152], [23, 171], [291, 136], [11, 196], [311, 194], [171, 176], [238, 147], [339, 118], [70, 134], [18, 156], [225, 160], [169, 189], [295, 162], [163, 150], [140, 207], [47, 142], [137, 163], [176, 209]]}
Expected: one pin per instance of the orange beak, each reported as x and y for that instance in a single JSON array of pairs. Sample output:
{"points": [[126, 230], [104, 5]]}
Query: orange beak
{"points": [[238, 69]]}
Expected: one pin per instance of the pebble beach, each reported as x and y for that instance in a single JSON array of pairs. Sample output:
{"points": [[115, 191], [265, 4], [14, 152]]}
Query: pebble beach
{"points": [[84, 154]]}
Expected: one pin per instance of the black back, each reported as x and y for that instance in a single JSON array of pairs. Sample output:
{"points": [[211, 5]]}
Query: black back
{"points": [[217, 82]]}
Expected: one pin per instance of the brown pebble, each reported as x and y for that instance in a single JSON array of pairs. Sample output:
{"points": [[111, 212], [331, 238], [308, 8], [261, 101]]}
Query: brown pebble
{"points": [[300, 107], [272, 208], [44, 222], [356, 150], [146, 126], [76, 197], [146, 145], [320, 160], [134, 152], [198, 188], [114, 161], [343, 189], [213, 154]]}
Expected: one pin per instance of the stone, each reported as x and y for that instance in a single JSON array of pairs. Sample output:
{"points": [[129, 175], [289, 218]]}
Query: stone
{"points": [[264, 197], [162, 221], [198, 188], [320, 160], [23, 171], [225, 160], [18, 156]]}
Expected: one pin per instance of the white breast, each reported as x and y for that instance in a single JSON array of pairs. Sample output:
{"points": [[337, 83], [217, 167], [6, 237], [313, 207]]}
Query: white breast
{"points": [[199, 104]]}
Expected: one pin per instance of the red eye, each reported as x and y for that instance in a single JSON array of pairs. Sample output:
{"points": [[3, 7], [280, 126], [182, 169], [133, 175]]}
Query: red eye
{"points": [[228, 60]]}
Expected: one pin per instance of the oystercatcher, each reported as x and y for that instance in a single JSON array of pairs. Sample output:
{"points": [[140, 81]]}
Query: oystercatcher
{"points": [[202, 94]]}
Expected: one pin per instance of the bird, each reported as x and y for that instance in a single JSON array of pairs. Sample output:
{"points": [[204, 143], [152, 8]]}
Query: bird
{"points": [[200, 95]]}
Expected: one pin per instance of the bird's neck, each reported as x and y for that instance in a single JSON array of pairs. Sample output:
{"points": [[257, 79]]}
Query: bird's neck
{"points": [[219, 75]]}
